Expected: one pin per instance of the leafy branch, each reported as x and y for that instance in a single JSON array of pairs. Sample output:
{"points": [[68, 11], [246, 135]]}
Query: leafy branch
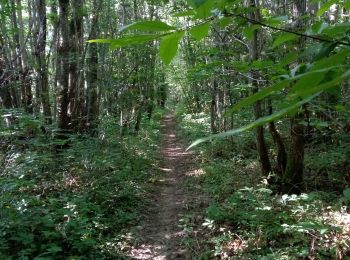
{"points": [[313, 37]]}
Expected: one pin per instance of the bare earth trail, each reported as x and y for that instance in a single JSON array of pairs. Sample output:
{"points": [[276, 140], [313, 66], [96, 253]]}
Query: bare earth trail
{"points": [[161, 235]]}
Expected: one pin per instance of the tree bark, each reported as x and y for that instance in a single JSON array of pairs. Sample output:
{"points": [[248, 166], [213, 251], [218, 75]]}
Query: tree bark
{"points": [[293, 175], [260, 139], [41, 60], [63, 62], [92, 73]]}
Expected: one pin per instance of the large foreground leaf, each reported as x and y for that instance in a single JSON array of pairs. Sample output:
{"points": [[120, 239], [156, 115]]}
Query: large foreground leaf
{"points": [[128, 40], [301, 88], [169, 45], [149, 26], [261, 121]]}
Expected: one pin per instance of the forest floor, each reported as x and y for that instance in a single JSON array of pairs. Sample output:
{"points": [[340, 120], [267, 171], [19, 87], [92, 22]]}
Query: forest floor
{"points": [[175, 199]]}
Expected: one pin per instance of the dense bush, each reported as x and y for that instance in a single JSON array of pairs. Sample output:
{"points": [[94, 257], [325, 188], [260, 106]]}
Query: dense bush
{"points": [[76, 203]]}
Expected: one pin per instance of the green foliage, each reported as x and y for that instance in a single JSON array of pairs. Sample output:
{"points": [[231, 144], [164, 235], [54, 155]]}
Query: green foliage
{"points": [[328, 69], [245, 220], [149, 26], [283, 38], [169, 45], [261, 121], [128, 40], [199, 32], [76, 203]]}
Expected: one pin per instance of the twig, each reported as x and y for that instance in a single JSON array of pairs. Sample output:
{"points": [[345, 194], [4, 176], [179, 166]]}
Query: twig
{"points": [[317, 38]]}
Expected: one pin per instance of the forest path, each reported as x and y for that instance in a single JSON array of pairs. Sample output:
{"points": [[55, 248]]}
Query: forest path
{"points": [[173, 199]]}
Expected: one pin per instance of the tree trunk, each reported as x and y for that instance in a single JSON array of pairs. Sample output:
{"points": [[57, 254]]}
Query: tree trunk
{"points": [[281, 150], [41, 61], [76, 78], [92, 74], [293, 176], [26, 90], [63, 62], [260, 139]]}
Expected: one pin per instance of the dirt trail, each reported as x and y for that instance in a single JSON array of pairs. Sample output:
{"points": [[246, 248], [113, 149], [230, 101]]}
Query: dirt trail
{"points": [[161, 235]]}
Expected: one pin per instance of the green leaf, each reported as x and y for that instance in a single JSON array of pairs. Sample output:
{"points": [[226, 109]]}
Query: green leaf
{"points": [[326, 7], [128, 40], [150, 26], [261, 121], [325, 50], [204, 10], [318, 27], [250, 30], [196, 3], [288, 59], [169, 45], [309, 80], [258, 96], [283, 84], [200, 31], [185, 13], [331, 61], [283, 38], [225, 21], [347, 5], [346, 194], [321, 87], [275, 21]]}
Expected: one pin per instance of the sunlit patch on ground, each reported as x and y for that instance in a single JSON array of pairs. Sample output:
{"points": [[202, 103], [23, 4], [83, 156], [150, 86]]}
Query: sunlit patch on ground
{"points": [[340, 240], [195, 173], [166, 169]]}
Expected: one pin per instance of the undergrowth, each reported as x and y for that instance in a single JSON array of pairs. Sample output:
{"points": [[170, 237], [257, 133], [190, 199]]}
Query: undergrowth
{"points": [[77, 203], [246, 220]]}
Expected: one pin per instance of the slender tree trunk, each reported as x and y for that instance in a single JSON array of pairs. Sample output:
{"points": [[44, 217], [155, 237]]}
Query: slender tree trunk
{"points": [[55, 61], [76, 78], [260, 139], [41, 61], [63, 57], [18, 59], [281, 150], [293, 176], [5, 94], [92, 73], [26, 90], [213, 112]]}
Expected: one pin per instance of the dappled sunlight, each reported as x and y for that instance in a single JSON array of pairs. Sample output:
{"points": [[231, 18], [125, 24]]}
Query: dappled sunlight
{"points": [[165, 170], [195, 173], [339, 239], [157, 249], [163, 232]]}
